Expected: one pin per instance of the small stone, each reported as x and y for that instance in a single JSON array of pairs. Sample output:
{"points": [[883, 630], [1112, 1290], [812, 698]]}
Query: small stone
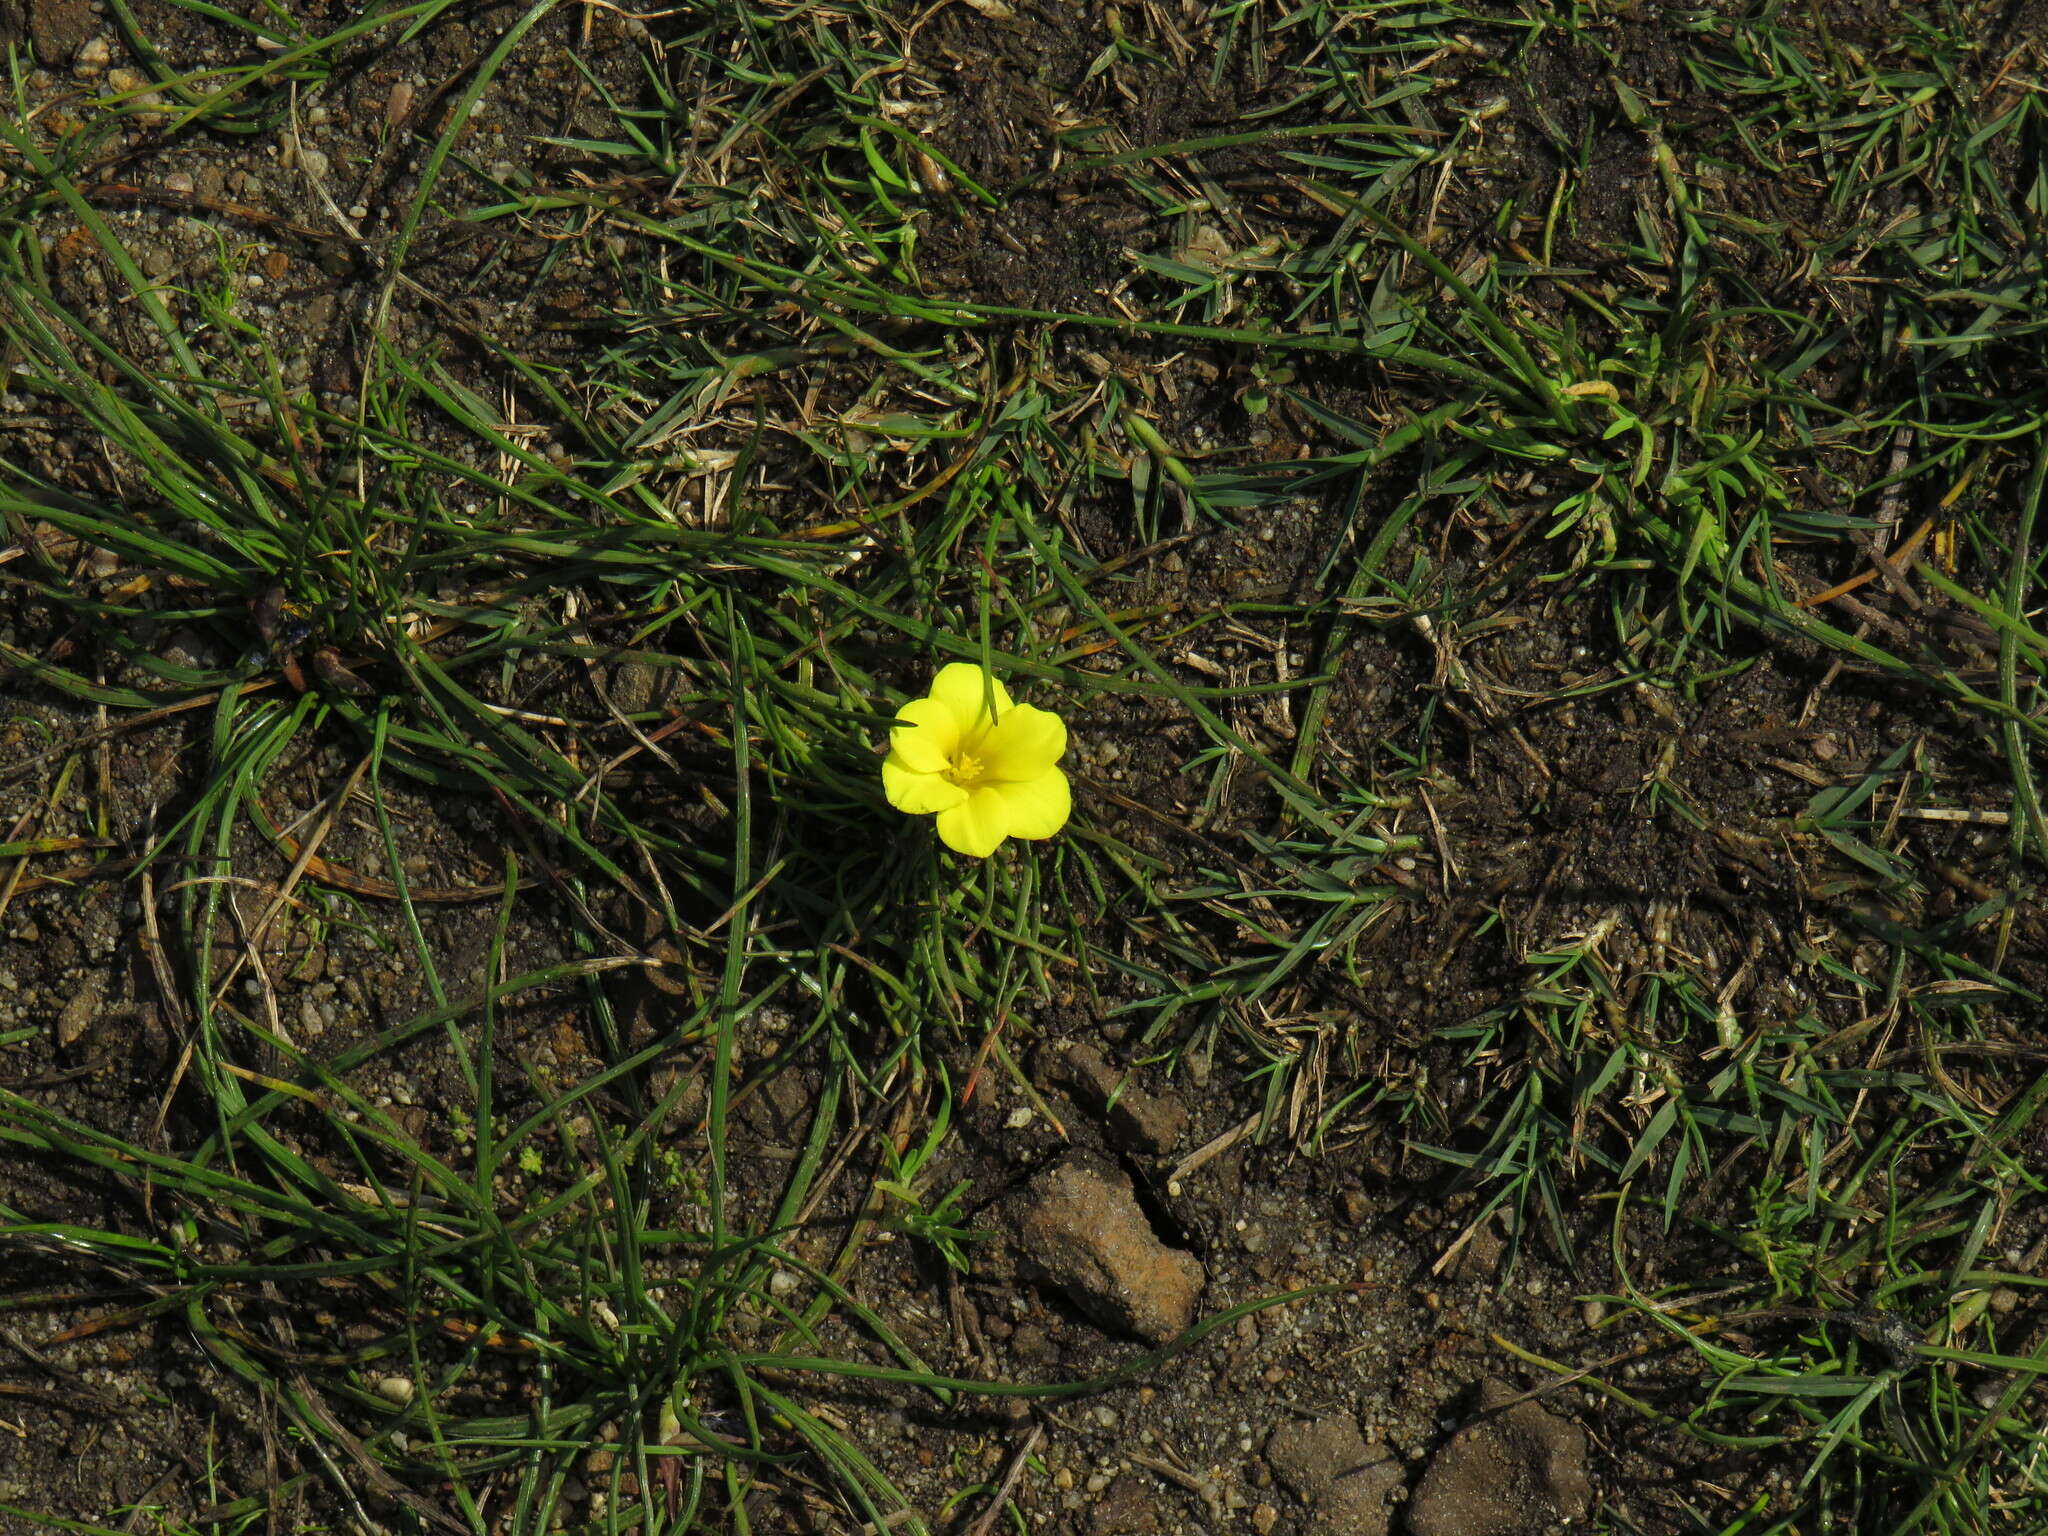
{"points": [[1264, 1518], [396, 1389], [93, 54], [179, 183], [2004, 1301], [77, 1014]]}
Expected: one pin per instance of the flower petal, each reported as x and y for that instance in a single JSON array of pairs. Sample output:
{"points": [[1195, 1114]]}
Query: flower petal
{"points": [[1024, 744], [968, 690], [978, 825], [918, 794], [1037, 807], [926, 736]]}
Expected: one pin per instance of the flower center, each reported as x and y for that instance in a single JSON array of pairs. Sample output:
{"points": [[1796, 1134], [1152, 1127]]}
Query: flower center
{"points": [[964, 769]]}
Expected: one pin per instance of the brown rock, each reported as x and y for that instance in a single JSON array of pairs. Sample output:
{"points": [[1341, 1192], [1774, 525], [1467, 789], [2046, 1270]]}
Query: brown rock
{"points": [[1080, 1226], [1512, 1471], [1138, 1121], [1327, 1464], [58, 28]]}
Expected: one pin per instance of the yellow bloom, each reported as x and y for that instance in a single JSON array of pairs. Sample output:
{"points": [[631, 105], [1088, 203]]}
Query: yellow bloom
{"points": [[985, 766]]}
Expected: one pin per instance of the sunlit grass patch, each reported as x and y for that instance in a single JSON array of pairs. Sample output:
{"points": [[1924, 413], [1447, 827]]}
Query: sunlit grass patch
{"points": [[650, 618]]}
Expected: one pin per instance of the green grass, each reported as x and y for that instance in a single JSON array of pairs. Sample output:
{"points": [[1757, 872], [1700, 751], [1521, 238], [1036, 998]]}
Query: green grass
{"points": [[796, 473]]}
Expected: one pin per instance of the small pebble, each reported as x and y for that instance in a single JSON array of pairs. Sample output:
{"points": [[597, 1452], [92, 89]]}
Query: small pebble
{"points": [[180, 183], [94, 54], [2005, 1301]]}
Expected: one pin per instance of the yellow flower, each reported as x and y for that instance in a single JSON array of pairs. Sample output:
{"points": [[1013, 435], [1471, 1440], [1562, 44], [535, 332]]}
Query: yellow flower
{"points": [[985, 766]]}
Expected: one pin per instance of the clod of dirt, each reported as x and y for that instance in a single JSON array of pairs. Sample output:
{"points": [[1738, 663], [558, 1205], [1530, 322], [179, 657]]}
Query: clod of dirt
{"points": [[1514, 1470], [1327, 1464], [1127, 1508], [1477, 1262], [1138, 1121], [56, 29], [1079, 1225]]}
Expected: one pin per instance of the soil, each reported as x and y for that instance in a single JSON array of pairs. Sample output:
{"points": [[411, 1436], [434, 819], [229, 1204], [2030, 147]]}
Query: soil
{"points": [[1382, 1399]]}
